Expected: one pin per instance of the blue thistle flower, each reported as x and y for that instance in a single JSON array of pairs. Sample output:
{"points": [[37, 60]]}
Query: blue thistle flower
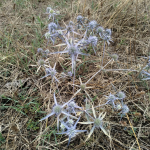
{"points": [[69, 122], [111, 99], [51, 72], [100, 31], [51, 12], [71, 131], [93, 41], [115, 57], [39, 50], [79, 19], [57, 110], [124, 110], [97, 123], [52, 27], [45, 53], [92, 25], [107, 36], [72, 106], [121, 95], [73, 50]]}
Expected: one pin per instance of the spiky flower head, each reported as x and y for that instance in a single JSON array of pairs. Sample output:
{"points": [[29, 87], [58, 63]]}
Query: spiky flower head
{"points": [[45, 53], [118, 107], [51, 71], [72, 107], [57, 109], [92, 24], [41, 62], [71, 131], [115, 57], [59, 32], [97, 122], [62, 127], [72, 104], [108, 32], [47, 35], [73, 50], [93, 40], [83, 86], [48, 9], [107, 36], [52, 27], [69, 28], [121, 95], [110, 100], [51, 12], [70, 122], [70, 74], [79, 19], [71, 23], [39, 50], [100, 31], [111, 97], [125, 109]]}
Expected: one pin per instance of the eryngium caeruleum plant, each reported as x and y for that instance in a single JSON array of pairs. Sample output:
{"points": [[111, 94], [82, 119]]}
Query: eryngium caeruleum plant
{"points": [[77, 37]]}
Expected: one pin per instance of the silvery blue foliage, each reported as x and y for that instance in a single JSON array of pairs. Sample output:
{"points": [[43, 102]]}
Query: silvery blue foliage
{"points": [[71, 131], [52, 27], [93, 41]]}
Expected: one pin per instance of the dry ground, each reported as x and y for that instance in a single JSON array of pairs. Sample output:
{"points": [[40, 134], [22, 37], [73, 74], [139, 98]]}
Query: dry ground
{"points": [[24, 99]]}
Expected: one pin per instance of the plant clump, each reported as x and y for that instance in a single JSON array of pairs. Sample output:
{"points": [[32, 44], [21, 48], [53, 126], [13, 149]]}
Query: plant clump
{"points": [[77, 37]]}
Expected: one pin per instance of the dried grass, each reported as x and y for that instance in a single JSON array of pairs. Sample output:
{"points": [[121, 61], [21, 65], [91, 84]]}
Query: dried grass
{"points": [[19, 27]]}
